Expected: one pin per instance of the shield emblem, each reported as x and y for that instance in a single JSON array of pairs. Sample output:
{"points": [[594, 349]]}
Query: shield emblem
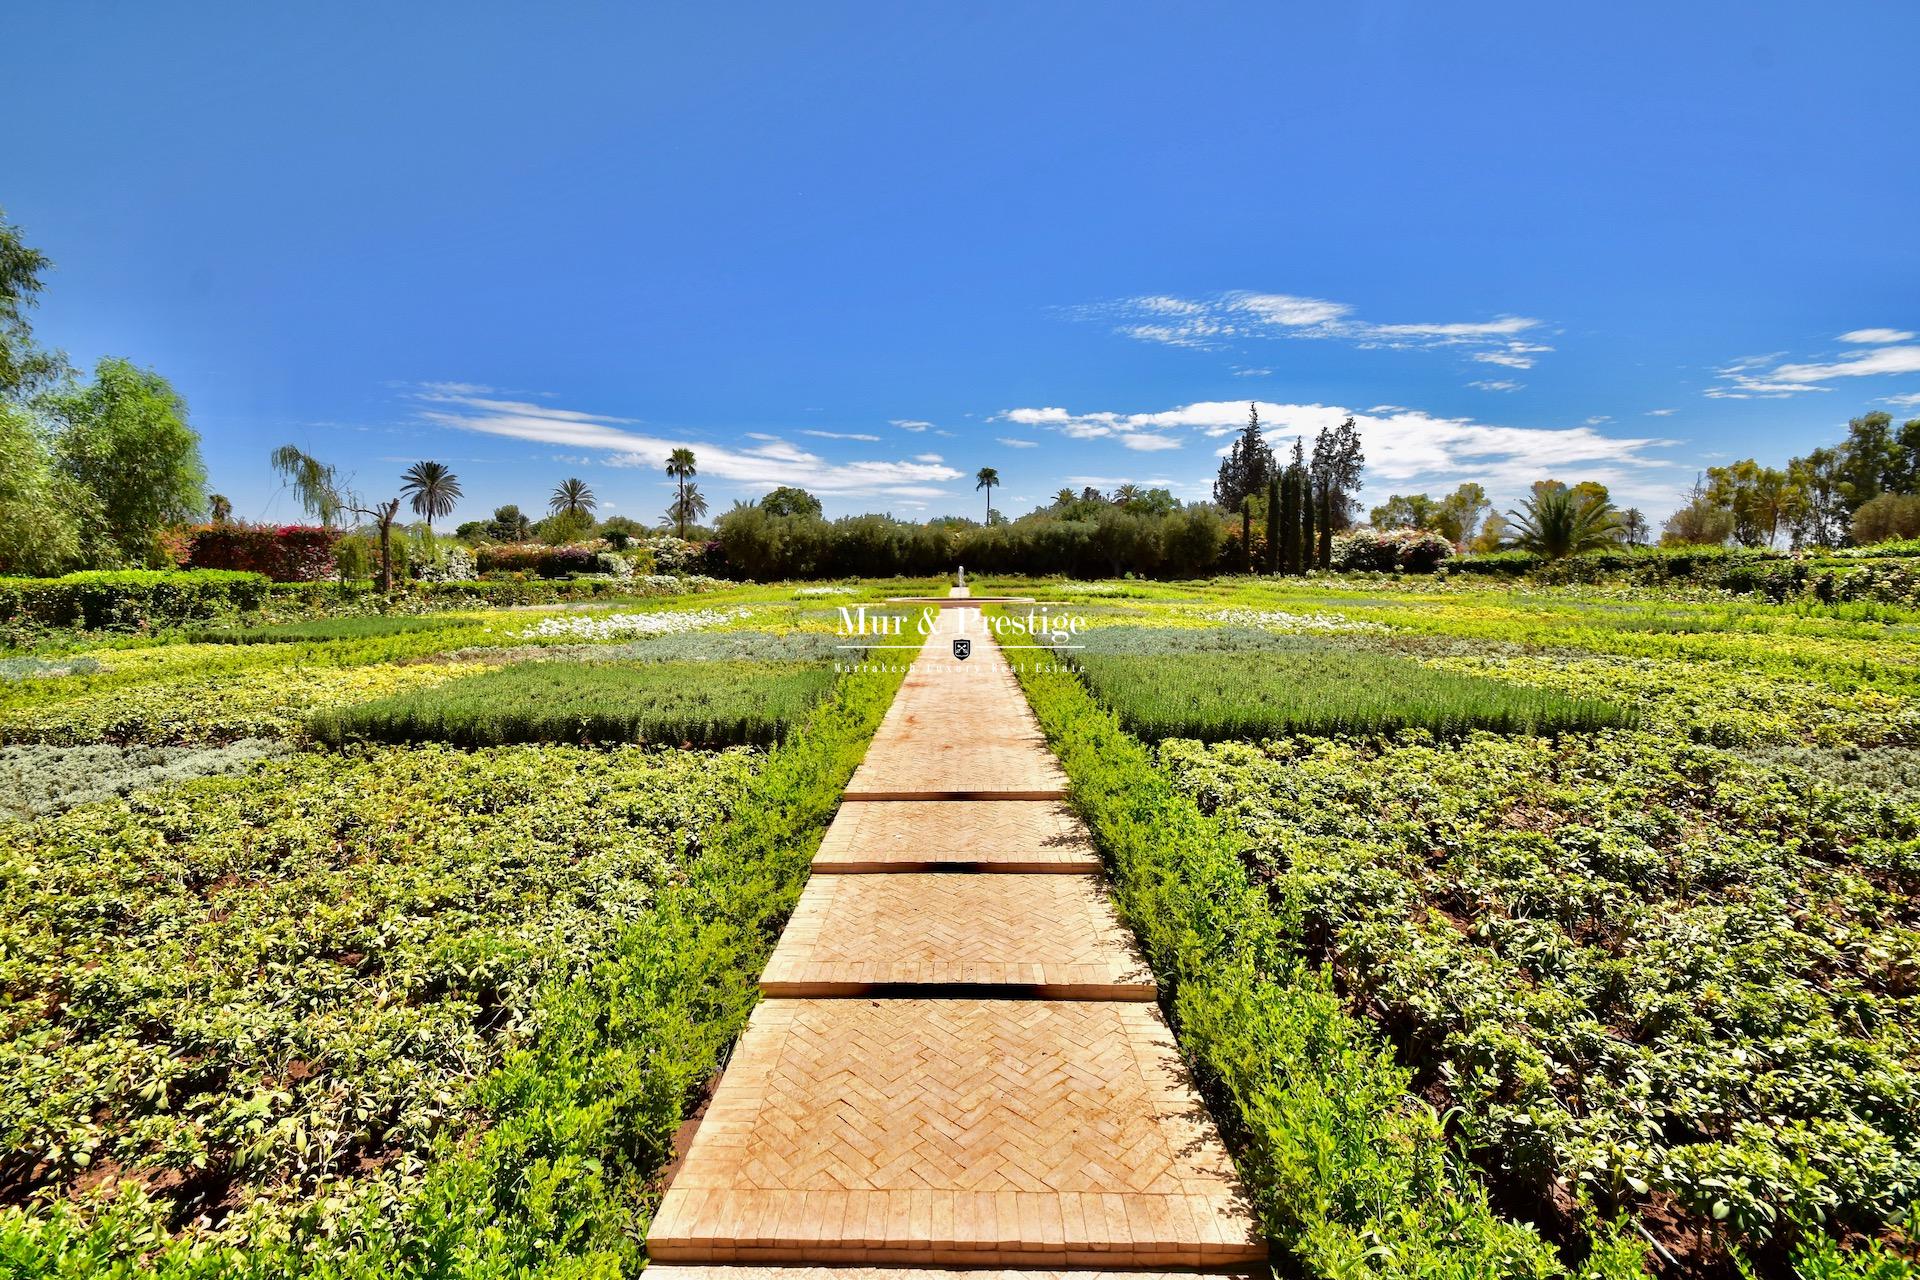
{"points": [[962, 647]]}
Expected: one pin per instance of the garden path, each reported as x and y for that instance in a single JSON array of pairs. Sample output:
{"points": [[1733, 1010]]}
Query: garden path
{"points": [[958, 1061]]}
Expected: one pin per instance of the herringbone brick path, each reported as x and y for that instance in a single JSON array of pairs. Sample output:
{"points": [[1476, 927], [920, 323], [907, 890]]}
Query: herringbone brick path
{"points": [[889, 1106], [935, 835], [1051, 935]]}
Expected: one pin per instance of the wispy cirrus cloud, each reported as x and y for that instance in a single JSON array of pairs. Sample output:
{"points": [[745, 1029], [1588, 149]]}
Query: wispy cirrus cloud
{"points": [[841, 435], [1404, 447], [1773, 377], [767, 460], [1015, 442], [1243, 315], [1498, 384]]}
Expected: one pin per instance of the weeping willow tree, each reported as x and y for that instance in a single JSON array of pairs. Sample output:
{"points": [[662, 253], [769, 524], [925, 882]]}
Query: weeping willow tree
{"points": [[318, 487], [315, 484]]}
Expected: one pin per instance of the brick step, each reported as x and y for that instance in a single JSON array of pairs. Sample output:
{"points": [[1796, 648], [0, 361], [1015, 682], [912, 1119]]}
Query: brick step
{"points": [[956, 835], [956, 1133], [1005, 935]]}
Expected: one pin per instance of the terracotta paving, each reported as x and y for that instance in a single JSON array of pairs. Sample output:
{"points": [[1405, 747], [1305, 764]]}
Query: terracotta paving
{"points": [[1049, 935], [957, 1063], [956, 835]]}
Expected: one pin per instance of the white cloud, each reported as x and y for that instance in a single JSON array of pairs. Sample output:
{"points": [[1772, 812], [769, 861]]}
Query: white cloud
{"points": [[1226, 318], [911, 424], [1498, 384], [1760, 377], [1661, 413], [1405, 448], [1014, 442], [842, 435], [1877, 337], [1906, 401], [928, 457], [768, 461], [1147, 441], [1866, 364], [1252, 373]]}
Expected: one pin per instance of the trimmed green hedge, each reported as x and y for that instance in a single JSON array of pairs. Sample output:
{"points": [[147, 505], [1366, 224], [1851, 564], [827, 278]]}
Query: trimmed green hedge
{"points": [[561, 1181], [1352, 1176], [1883, 575], [129, 600]]}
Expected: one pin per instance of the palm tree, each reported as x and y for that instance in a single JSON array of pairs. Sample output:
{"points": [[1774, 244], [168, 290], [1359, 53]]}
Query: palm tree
{"points": [[1126, 493], [571, 498], [1633, 525], [690, 505], [681, 467], [221, 507], [1065, 498], [431, 490], [986, 478], [1556, 523]]}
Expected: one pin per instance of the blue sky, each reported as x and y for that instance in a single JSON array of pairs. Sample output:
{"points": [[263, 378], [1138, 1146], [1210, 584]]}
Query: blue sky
{"points": [[871, 248]]}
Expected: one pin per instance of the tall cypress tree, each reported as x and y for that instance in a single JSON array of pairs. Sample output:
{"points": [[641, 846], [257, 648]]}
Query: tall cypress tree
{"points": [[1273, 523], [1306, 519]]}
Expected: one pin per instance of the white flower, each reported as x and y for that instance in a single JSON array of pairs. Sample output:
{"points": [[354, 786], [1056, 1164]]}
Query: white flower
{"points": [[1275, 620], [610, 625]]}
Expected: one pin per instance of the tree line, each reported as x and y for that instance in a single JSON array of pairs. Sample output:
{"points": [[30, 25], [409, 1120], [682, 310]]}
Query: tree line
{"points": [[1864, 489]]}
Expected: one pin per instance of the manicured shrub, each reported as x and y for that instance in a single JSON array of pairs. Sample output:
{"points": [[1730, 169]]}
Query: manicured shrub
{"points": [[129, 600], [322, 629], [286, 553], [1238, 684], [705, 704], [1408, 550]]}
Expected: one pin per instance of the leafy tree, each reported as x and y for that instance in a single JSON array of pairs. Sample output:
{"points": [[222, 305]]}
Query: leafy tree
{"points": [[1245, 469], [1559, 521], [1821, 515], [1700, 523], [680, 465], [509, 524], [431, 490], [1760, 499], [124, 437], [1453, 517], [563, 527], [219, 508], [1891, 515], [572, 497], [24, 367], [1409, 511], [1460, 513], [987, 478], [41, 508], [789, 501], [1492, 535]]}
